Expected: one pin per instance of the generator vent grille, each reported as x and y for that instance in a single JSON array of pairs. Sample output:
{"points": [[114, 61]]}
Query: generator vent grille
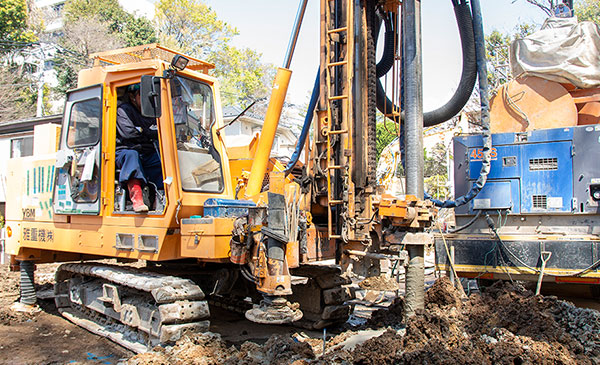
{"points": [[540, 201], [543, 164]]}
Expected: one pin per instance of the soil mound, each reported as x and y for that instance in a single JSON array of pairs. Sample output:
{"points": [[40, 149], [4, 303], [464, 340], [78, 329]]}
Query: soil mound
{"points": [[505, 324], [199, 349]]}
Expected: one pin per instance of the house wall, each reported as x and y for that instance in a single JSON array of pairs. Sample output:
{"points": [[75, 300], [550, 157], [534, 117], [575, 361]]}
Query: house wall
{"points": [[5, 145], [242, 131]]}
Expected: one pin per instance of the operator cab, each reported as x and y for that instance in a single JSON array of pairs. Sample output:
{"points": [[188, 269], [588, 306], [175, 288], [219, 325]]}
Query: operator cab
{"points": [[182, 102], [153, 190], [192, 112]]}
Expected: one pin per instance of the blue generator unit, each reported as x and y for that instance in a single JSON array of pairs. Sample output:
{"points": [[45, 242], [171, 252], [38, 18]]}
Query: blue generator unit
{"points": [[540, 203]]}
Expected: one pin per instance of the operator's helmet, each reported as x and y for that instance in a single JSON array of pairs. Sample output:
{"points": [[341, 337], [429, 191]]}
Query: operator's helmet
{"points": [[133, 88]]}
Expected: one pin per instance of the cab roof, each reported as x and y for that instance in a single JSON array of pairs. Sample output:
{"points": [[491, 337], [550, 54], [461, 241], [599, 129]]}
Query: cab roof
{"points": [[147, 52]]}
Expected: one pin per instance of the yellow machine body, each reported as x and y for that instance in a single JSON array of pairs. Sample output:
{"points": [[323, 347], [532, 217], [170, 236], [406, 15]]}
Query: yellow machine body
{"points": [[38, 233]]}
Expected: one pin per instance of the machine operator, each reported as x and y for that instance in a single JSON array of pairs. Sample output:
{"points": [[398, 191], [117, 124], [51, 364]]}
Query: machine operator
{"points": [[137, 155]]}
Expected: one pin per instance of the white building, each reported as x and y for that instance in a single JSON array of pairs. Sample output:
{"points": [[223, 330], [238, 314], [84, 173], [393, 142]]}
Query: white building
{"points": [[16, 140], [242, 131]]}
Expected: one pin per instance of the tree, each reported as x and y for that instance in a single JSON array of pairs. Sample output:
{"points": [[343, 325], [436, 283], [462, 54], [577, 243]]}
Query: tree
{"points": [[13, 22], [546, 6], [385, 132], [131, 30], [243, 76], [497, 52], [17, 89], [588, 10], [435, 171], [81, 38], [92, 26], [435, 161], [192, 27], [16, 94]]}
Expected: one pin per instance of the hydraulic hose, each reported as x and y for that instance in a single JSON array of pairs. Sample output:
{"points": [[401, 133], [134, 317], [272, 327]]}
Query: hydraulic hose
{"points": [[466, 225], [314, 97], [389, 47], [467, 79], [485, 113]]}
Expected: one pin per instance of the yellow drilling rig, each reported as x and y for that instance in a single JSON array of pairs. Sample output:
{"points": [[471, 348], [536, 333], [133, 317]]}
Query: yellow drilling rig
{"points": [[230, 225]]}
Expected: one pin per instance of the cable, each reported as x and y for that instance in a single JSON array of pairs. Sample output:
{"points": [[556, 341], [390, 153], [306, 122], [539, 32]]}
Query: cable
{"points": [[523, 264], [247, 275], [314, 97], [451, 261], [467, 225]]}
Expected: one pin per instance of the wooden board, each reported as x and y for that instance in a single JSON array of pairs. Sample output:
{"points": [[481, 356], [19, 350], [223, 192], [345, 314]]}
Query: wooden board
{"points": [[530, 103]]}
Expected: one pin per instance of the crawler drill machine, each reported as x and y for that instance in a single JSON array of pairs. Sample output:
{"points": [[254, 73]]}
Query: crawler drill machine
{"points": [[229, 226]]}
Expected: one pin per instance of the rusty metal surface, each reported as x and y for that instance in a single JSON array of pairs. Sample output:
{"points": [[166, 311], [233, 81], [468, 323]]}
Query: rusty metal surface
{"points": [[530, 103]]}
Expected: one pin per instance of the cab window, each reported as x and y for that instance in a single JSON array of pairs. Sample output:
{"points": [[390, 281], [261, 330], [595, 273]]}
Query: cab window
{"points": [[194, 116], [84, 123]]}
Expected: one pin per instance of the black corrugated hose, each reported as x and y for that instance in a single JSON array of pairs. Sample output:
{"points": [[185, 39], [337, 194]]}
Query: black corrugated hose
{"points": [[485, 114], [27, 283], [465, 87]]}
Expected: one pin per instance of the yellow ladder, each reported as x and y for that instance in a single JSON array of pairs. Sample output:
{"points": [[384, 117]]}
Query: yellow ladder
{"points": [[334, 35]]}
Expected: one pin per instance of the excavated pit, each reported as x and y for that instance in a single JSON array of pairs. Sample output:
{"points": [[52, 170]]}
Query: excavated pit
{"points": [[505, 324]]}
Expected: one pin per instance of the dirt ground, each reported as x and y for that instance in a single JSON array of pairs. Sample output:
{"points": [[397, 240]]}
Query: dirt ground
{"points": [[506, 324], [46, 337]]}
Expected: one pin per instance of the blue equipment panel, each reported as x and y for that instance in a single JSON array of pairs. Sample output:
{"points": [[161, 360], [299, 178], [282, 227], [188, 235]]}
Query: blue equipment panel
{"points": [[496, 195], [546, 177], [221, 208], [530, 173]]}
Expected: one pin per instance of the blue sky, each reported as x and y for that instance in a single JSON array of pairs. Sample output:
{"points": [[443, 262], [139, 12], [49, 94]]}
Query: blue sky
{"points": [[265, 25]]}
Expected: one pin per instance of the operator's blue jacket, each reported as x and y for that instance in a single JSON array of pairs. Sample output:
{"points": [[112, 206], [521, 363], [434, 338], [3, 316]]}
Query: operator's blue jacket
{"points": [[135, 131]]}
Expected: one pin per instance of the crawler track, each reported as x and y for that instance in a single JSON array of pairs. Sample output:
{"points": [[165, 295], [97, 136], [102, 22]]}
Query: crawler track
{"points": [[135, 308]]}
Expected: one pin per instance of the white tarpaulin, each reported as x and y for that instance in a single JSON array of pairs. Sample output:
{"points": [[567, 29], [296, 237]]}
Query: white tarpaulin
{"points": [[562, 51]]}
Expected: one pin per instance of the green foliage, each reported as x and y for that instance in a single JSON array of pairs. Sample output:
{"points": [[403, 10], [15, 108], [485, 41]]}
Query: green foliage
{"points": [[193, 28], [497, 52], [435, 161], [243, 76], [131, 30], [94, 26], [13, 21], [435, 172], [386, 131], [67, 65], [588, 10], [138, 31], [437, 187]]}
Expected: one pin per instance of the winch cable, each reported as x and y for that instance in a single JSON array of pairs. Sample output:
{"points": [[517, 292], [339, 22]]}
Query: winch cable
{"points": [[485, 114]]}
